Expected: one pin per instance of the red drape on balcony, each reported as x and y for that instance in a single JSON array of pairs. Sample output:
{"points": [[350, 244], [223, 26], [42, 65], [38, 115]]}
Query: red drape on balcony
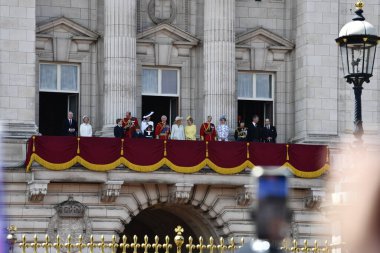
{"points": [[102, 154]]}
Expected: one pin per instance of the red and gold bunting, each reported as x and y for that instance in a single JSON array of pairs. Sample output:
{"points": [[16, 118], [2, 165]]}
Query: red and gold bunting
{"points": [[146, 155]]}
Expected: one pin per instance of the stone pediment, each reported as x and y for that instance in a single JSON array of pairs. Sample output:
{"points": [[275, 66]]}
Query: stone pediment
{"points": [[62, 39], [262, 35], [65, 26], [167, 34]]}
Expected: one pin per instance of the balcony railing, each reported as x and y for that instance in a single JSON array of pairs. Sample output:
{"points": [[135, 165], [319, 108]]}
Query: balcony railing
{"points": [[145, 155]]}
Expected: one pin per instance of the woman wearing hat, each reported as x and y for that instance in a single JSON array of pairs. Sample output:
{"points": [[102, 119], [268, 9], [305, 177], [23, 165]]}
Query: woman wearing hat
{"points": [[222, 129], [178, 132], [85, 128], [190, 129]]}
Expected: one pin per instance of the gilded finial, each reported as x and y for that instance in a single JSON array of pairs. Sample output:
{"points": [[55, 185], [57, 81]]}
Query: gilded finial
{"points": [[80, 245], [113, 245], [359, 5], [124, 245], [156, 245], [135, 245], [167, 246], [179, 239], [190, 246], [146, 245]]}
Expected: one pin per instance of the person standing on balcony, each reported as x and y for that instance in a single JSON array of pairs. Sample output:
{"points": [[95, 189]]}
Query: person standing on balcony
{"points": [[178, 131], [162, 130], [148, 133], [130, 123], [146, 122], [207, 130], [190, 129], [223, 129], [270, 132], [70, 125], [118, 130], [254, 130], [241, 132], [85, 128]]}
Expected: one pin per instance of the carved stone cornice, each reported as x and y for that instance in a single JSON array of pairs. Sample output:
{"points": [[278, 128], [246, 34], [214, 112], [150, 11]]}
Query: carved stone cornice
{"points": [[111, 190], [245, 195], [180, 193], [37, 190], [314, 199]]}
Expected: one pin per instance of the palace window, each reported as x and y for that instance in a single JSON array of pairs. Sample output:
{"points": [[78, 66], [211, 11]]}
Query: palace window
{"points": [[255, 86], [59, 77], [160, 82], [255, 96]]}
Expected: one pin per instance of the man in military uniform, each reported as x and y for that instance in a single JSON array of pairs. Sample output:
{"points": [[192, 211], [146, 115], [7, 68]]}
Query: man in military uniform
{"points": [[241, 132], [162, 129], [208, 131], [129, 124]]}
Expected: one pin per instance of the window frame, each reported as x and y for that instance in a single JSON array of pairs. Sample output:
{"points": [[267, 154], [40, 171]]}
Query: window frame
{"points": [[254, 86], [159, 85], [59, 89]]}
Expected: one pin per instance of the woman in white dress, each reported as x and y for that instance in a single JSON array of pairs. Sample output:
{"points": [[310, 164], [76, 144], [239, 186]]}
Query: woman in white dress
{"points": [[222, 129], [85, 129], [178, 131]]}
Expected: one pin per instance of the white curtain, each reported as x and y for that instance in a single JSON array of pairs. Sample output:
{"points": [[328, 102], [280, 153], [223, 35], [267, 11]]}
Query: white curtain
{"points": [[150, 81], [169, 82], [263, 86], [48, 76], [69, 77], [245, 85]]}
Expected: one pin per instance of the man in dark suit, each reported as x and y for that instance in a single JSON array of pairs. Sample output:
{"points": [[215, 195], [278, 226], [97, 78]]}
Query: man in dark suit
{"points": [[270, 132], [118, 130], [70, 125], [254, 130]]}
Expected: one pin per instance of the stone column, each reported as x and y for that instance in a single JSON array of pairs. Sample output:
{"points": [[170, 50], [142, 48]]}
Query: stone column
{"points": [[219, 60], [119, 60], [17, 78], [316, 72]]}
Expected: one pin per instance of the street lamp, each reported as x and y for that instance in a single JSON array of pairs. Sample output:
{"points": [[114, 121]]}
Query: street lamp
{"points": [[11, 237], [357, 41]]}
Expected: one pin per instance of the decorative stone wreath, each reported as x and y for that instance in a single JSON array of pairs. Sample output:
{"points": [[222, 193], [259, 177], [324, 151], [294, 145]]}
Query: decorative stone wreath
{"points": [[156, 20]]}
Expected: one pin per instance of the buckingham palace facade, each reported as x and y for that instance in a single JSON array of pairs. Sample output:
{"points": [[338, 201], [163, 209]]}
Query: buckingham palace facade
{"points": [[274, 58]]}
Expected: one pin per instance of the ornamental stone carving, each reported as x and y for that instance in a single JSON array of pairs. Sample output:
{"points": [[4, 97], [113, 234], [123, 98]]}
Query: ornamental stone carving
{"points": [[70, 219], [314, 198], [180, 193], [163, 16], [37, 189], [245, 195], [111, 190]]}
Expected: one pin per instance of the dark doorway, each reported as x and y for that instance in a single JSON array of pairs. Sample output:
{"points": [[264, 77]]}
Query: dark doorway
{"points": [[53, 110], [162, 219], [248, 108], [161, 106]]}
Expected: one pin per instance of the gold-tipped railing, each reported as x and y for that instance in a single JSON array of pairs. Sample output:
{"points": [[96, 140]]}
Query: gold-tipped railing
{"points": [[47, 246]]}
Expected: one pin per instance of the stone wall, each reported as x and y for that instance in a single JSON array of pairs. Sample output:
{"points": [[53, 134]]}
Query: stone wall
{"points": [[113, 199]]}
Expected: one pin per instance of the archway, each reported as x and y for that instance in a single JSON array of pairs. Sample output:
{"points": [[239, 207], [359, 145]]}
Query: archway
{"points": [[162, 219]]}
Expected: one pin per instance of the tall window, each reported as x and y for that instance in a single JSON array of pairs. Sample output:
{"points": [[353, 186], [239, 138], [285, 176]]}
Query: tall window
{"points": [[255, 86], [59, 77], [160, 82]]}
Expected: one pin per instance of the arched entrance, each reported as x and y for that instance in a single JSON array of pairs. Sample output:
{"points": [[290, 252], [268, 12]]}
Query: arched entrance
{"points": [[162, 219]]}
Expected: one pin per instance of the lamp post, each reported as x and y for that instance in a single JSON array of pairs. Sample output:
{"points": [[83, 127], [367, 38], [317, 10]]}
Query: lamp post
{"points": [[11, 237], [357, 41]]}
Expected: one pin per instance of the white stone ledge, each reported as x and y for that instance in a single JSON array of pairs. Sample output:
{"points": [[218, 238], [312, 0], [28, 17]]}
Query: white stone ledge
{"points": [[79, 175]]}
